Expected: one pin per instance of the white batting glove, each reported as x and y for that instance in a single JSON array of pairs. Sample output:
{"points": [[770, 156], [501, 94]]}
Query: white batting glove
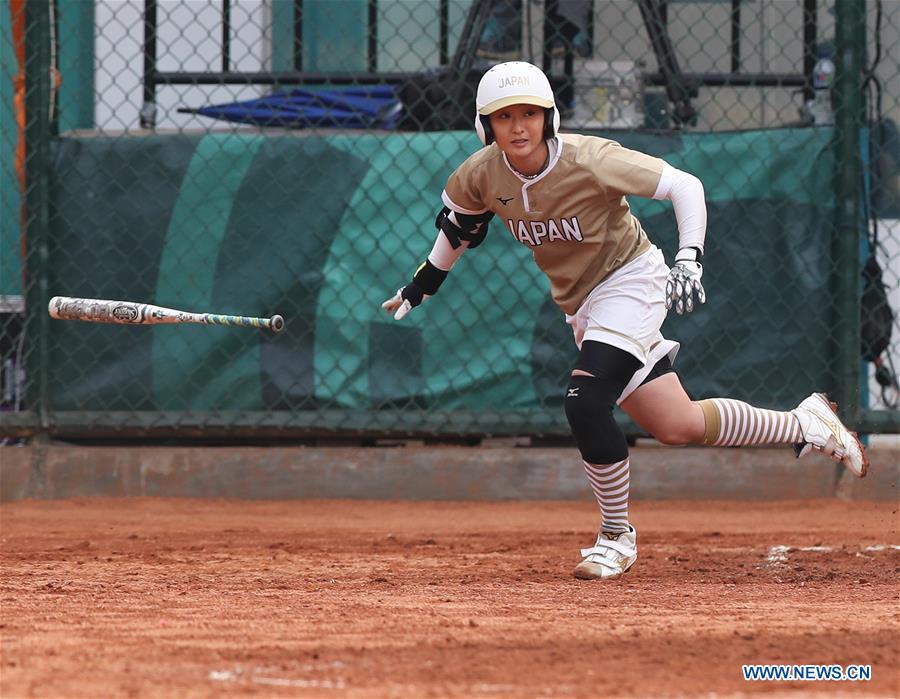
{"points": [[404, 301], [424, 285], [684, 281]]}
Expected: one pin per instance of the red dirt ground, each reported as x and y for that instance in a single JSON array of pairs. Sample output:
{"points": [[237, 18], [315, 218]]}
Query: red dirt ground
{"points": [[199, 598]]}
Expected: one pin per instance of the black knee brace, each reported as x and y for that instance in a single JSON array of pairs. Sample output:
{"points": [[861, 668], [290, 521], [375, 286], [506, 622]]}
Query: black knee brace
{"points": [[590, 401]]}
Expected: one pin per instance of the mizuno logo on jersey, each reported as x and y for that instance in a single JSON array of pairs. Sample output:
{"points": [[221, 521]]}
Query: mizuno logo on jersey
{"points": [[536, 233], [505, 200]]}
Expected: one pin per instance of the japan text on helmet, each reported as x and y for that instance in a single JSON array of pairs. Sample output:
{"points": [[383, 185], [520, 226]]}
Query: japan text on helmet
{"points": [[514, 82]]}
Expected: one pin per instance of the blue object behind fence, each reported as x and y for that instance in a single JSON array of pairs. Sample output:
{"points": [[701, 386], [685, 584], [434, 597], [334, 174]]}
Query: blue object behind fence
{"points": [[367, 107]]}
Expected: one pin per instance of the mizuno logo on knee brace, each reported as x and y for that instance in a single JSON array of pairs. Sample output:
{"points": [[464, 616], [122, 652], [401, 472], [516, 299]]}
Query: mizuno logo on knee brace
{"points": [[573, 393]]}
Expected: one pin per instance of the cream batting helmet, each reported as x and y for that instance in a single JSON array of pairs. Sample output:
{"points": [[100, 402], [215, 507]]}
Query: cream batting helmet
{"points": [[514, 82]]}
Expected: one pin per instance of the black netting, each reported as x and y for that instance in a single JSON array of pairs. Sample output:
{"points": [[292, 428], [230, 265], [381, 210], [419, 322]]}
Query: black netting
{"points": [[253, 158]]}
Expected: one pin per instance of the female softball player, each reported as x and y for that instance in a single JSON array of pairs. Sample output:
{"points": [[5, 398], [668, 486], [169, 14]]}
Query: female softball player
{"points": [[564, 196]]}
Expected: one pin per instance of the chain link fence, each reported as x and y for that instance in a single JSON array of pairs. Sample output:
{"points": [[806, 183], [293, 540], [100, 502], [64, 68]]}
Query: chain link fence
{"points": [[255, 157]]}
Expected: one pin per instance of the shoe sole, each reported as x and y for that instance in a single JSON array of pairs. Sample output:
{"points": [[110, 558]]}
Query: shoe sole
{"points": [[832, 406], [588, 576]]}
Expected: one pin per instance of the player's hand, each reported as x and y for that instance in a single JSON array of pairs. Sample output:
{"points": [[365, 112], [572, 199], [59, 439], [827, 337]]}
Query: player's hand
{"points": [[684, 283], [404, 300]]}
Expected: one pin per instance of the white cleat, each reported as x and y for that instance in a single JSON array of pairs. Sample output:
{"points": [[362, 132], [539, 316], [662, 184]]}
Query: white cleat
{"points": [[609, 558], [823, 430]]}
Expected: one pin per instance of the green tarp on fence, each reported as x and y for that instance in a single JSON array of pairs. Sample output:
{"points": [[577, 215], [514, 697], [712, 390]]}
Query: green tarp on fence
{"points": [[323, 228]]}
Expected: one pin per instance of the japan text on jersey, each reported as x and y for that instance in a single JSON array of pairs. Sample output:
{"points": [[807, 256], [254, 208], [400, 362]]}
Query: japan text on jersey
{"points": [[536, 233]]}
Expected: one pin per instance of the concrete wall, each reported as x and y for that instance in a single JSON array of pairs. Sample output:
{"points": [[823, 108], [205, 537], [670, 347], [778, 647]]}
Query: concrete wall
{"points": [[428, 473]]}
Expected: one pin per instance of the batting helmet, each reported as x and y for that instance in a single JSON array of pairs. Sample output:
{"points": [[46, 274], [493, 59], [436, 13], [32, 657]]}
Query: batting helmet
{"points": [[514, 82]]}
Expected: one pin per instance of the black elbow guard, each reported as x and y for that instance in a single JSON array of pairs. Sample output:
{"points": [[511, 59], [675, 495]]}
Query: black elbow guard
{"points": [[471, 228]]}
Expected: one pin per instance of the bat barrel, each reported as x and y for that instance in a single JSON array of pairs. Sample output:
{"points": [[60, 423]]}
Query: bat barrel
{"points": [[97, 310]]}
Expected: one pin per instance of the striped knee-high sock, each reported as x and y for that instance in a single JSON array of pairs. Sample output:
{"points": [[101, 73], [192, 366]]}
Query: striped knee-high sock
{"points": [[732, 422], [610, 485]]}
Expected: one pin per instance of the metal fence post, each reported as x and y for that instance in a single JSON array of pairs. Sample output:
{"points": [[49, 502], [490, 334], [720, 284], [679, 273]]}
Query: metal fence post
{"points": [[148, 107], [38, 101], [849, 111]]}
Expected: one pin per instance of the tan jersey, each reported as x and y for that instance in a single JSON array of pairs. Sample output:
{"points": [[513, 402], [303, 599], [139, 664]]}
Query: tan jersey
{"points": [[573, 216]]}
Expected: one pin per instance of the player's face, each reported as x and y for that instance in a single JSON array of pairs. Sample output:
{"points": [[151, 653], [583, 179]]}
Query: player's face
{"points": [[519, 132]]}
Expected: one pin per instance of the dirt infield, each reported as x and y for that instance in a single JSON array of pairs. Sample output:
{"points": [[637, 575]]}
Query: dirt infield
{"points": [[194, 598]]}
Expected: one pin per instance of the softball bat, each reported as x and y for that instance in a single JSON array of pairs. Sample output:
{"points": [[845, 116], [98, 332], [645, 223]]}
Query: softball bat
{"points": [[131, 313]]}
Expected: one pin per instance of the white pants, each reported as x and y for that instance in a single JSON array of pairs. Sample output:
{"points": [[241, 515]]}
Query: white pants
{"points": [[627, 310]]}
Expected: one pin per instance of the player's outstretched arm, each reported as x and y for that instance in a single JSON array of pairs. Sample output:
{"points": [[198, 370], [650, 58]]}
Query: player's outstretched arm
{"points": [[456, 234]]}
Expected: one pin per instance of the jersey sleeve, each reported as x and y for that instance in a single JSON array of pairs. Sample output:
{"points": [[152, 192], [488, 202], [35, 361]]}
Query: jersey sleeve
{"points": [[463, 192], [624, 171]]}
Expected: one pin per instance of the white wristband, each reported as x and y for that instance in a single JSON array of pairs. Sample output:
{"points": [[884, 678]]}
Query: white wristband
{"points": [[689, 255]]}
